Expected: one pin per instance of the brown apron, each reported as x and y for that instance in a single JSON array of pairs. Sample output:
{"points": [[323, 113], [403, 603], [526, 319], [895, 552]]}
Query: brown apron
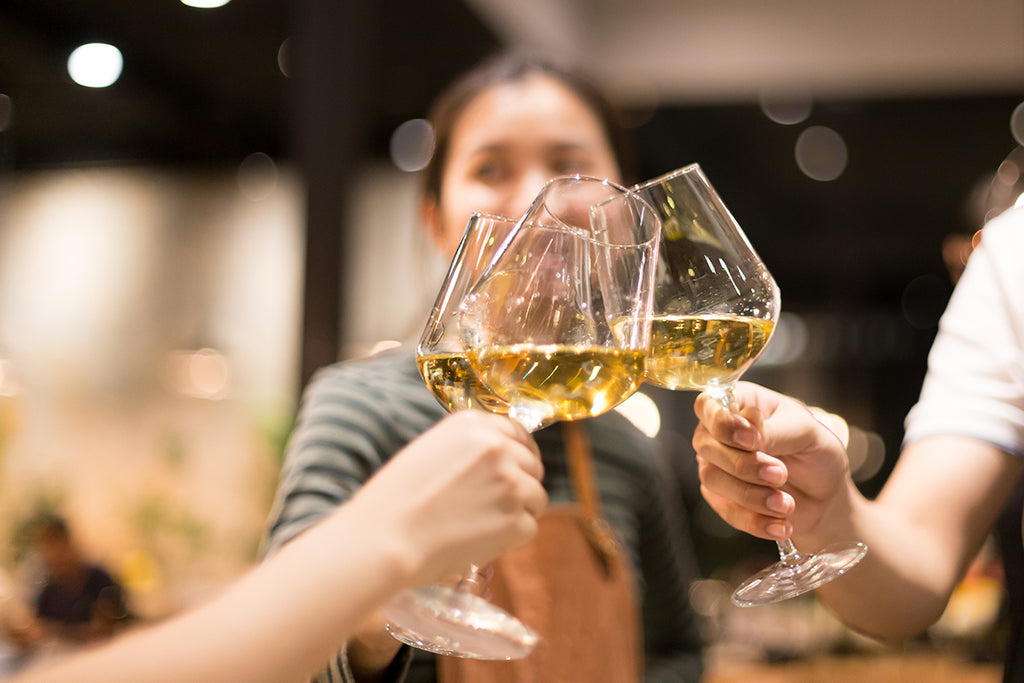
{"points": [[574, 587]]}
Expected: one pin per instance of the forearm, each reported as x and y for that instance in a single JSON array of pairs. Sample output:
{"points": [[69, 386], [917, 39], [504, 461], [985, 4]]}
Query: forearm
{"points": [[902, 584], [922, 533], [256, 631]]}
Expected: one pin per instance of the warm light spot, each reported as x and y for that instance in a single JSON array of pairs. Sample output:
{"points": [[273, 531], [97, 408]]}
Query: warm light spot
{"points": [[202, 373], [384, 345], [95, 65], [643, 412]]}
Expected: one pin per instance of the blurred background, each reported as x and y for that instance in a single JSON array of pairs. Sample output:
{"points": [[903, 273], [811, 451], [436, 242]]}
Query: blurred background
{"points": [[187, 235]]}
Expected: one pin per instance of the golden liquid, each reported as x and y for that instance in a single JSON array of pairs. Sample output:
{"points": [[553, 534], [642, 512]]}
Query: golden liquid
{"points": [[564, 382], [452, 380], [694, 352]]}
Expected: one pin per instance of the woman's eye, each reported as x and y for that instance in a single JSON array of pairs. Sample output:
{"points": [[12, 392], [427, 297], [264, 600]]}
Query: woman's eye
{"points": [[489, 171]]}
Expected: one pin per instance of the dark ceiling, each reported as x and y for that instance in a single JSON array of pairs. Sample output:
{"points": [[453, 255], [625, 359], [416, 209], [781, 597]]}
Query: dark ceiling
{"points": [[202, 85]]}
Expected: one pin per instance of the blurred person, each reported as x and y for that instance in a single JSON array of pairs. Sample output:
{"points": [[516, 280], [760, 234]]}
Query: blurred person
{"points": [[775, 471], [502, 130], [79, 602], [284, 618]]}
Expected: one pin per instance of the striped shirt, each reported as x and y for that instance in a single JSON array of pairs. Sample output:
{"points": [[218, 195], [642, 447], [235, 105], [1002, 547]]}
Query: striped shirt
{"points": [[357, 414]]}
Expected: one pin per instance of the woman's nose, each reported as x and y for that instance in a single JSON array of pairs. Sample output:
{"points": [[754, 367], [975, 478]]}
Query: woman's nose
{"points": [[526, 190]]}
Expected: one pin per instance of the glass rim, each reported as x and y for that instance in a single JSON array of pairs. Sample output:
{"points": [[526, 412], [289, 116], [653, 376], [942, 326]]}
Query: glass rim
{"points": [[671, 175], [625, 192], [477, 215]]}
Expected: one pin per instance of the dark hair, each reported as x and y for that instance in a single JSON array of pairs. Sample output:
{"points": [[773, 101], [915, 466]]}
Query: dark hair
{"points": [[510, 67]]}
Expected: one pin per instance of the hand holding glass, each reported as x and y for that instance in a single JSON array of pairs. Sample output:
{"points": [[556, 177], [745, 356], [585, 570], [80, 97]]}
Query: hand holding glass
{"points": [[714, 310], [442, 619]]}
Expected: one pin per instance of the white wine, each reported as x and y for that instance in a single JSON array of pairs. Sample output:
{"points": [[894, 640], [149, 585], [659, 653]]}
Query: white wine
{"points": [[452, 380], [565, 382], [694, 352]]}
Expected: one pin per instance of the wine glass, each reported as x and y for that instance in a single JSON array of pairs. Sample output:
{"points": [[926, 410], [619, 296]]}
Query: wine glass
{"points": [[442, 619], [558, 326], [715, 306]]}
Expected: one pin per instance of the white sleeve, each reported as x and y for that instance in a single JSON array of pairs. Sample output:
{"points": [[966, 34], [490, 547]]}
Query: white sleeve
{"points": [[975, 381]]}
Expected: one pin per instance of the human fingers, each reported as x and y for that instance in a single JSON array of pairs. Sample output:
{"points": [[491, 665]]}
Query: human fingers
{"points": [[740, 429], [758, 499], [533, 496], [501, 424], [748, 521], [753, 467]]}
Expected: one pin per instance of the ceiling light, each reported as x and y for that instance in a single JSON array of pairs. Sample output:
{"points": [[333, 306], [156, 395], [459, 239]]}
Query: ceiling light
{"points": [[95, 65], [205, 4]]}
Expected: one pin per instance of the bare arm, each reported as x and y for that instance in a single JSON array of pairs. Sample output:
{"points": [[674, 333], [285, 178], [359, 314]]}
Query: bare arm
{"points": [[463, 492], [922, 531]]}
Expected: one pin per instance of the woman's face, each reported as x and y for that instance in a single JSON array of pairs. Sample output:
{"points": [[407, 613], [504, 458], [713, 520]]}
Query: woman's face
{"points": [[510, 140]]}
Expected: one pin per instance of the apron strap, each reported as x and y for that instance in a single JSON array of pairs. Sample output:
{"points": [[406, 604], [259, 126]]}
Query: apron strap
{"points": [[584, 482]]}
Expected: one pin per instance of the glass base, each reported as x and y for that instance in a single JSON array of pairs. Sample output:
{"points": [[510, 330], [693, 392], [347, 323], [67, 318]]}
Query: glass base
{"points": [[451, 622], [797, 574]]}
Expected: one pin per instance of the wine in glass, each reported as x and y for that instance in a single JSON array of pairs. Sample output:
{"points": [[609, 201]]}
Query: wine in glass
{"points": [[558, 326], [443, 619], [715, 306]]}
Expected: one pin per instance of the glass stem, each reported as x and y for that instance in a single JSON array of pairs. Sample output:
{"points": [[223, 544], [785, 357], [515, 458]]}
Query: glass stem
{"points": [[787, 551], [724, 394], [530, 418], [469, 579]]}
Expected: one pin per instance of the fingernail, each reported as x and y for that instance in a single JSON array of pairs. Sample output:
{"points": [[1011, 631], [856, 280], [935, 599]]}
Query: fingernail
{"points": [[779, 530], [779, 501], [774, 474]]}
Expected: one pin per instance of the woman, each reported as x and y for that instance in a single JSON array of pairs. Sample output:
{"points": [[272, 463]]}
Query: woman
{"points": [[502, 131]]}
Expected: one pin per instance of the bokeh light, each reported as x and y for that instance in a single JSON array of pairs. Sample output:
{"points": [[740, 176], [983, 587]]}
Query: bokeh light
{"points": [[643, 412], [866, 452], [284, 57], [788, 341], [821, 153], [257, 176], [205, 4], [787, 106], [95, 65], [1017, 124], [202, 373], [412, 145]]}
